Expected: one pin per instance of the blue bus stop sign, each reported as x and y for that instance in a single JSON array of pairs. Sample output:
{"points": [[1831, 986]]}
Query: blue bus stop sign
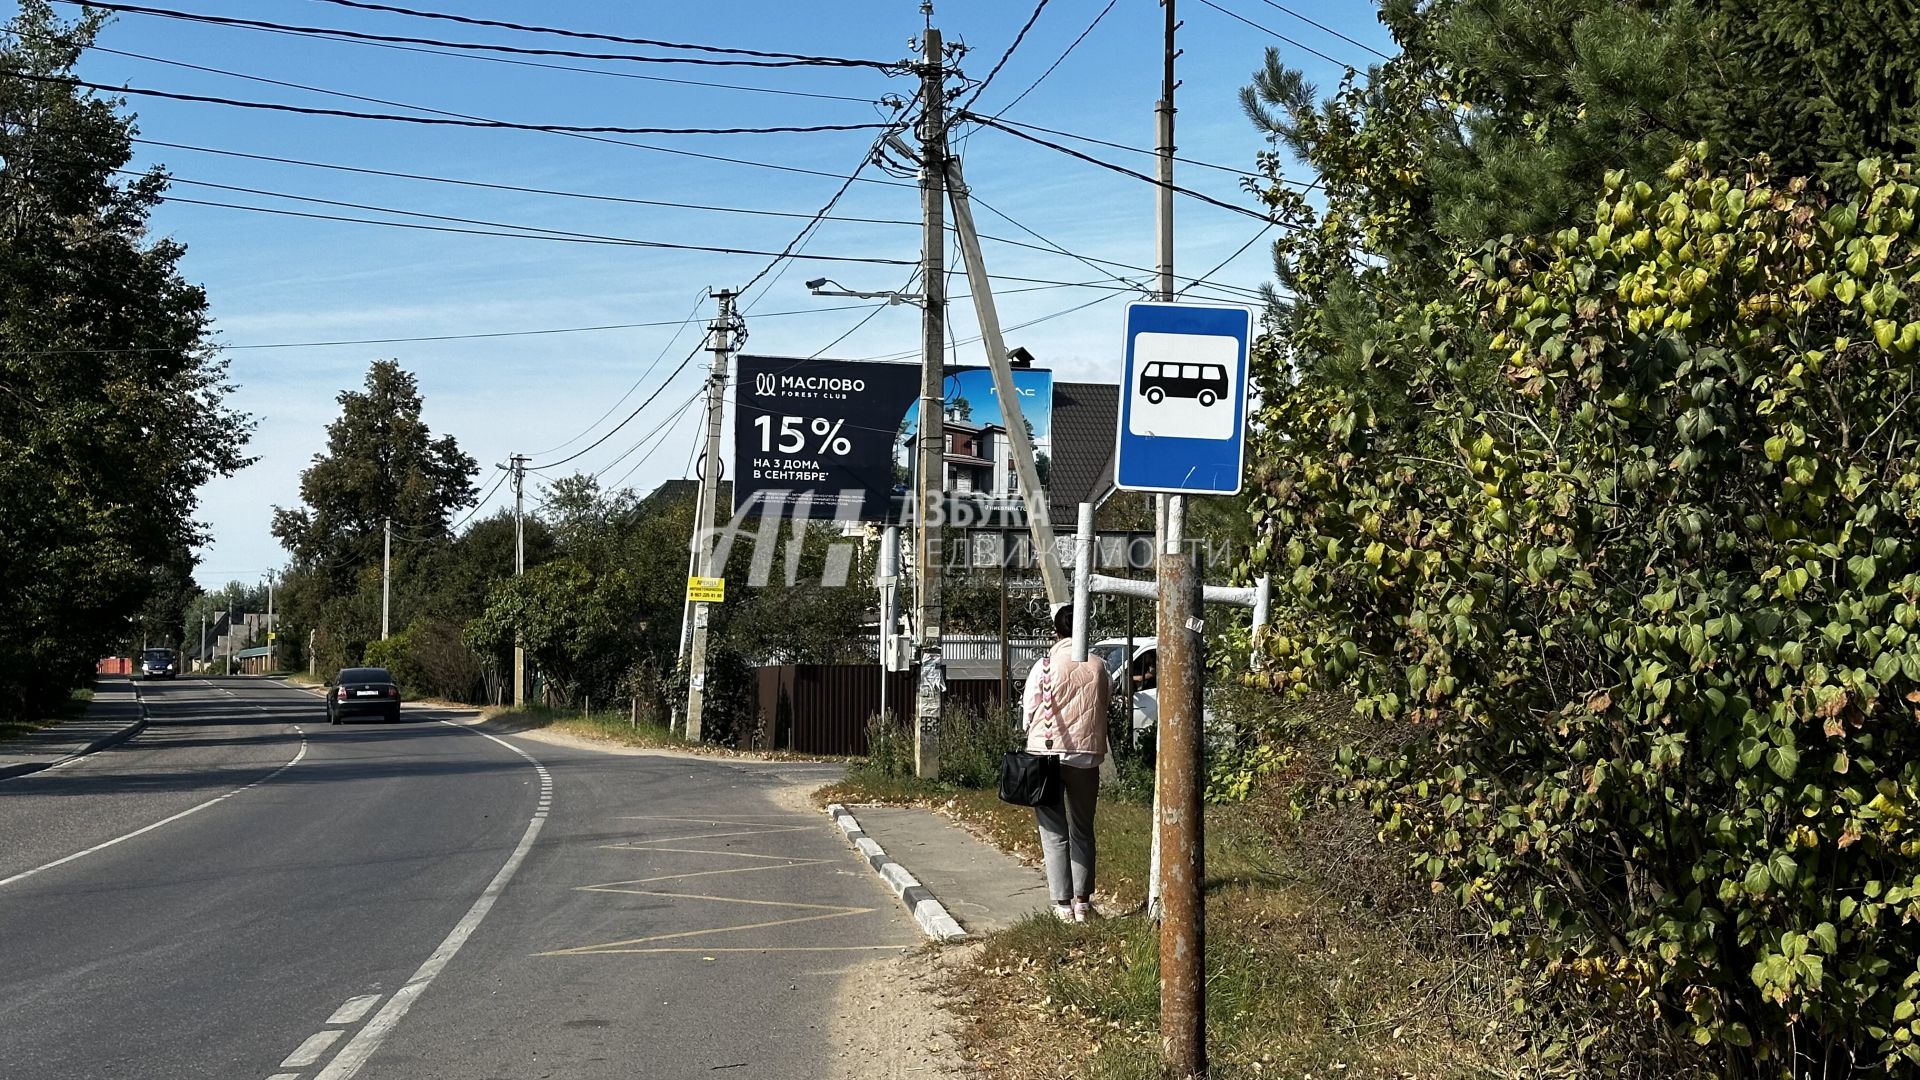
{"points": [[1183, 399]]}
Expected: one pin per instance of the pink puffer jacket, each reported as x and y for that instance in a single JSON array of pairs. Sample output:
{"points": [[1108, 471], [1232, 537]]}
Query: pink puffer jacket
{"points": [[1067, 704]]}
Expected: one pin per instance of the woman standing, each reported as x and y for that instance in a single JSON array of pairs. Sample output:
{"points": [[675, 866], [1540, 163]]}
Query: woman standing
{"points": [[1066, 717]]}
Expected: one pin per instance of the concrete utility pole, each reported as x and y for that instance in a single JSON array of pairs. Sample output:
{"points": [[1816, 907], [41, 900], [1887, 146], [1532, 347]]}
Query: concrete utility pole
{"points": [[704, 508], [1179, 827], [272, 638], [206, 661], [519, 468], [930, 481], [1033, 496], [313, 661], [386, 577]]}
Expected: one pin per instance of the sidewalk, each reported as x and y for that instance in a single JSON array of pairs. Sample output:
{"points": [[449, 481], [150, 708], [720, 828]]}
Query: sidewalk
{"points": [[938, 868], [114, 715]]}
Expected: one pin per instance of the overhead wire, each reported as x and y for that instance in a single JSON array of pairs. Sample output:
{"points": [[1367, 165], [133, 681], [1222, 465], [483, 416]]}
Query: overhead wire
{"points": [[470, 20], [358, 35], [1121, 169], [672, 417], [457, 526], [981, 87], [1302, 46], [547, 235], [1142, 150], [517, 188], [1328, 29], [682, 414], [675, 373], [437, 121], [1021, 96], [676, 151], [692, 317]]}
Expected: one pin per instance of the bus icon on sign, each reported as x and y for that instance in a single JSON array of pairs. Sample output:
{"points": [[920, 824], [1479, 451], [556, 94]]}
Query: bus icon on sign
{"points": [[1205, 383]]}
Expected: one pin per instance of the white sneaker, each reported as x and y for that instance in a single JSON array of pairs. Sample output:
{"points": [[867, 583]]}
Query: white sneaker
{"points": [[1084, 911], [1064, 912]]}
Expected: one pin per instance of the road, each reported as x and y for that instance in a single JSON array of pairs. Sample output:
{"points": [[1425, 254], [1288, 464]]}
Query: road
{"points": [[245, 891]]}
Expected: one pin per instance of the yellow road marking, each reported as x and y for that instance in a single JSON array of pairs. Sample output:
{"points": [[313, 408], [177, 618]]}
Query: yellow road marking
{"points": [[709, 873], [702, 851], [624, 946]]}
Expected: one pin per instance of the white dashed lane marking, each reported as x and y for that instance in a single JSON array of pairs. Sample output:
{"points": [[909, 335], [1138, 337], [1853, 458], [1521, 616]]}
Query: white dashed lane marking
{"points": [[354, 1009], [310, 1051]]}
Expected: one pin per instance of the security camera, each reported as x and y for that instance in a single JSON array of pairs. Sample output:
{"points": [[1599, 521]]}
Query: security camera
{"points": [[816, 283]]}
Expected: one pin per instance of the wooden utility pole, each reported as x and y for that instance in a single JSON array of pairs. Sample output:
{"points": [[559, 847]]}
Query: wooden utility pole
{"points": [[928, 513], [705, 506]]}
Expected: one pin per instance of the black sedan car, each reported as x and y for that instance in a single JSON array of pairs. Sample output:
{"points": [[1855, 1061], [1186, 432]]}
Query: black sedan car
{"points": [[159, 664], [363, 691]]}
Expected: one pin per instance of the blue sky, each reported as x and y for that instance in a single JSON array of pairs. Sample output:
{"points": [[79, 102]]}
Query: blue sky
{"points": [[275, 280]]}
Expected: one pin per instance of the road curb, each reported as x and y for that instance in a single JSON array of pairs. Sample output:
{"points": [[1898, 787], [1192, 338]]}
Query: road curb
{"points": [[133, 727], [927, 910]]}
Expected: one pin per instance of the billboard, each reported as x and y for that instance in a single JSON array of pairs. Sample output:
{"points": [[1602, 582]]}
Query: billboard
{"points": [[834, 438]]}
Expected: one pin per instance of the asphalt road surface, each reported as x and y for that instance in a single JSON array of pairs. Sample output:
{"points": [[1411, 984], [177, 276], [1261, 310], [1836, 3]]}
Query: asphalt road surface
{"points": [[245, 891]]}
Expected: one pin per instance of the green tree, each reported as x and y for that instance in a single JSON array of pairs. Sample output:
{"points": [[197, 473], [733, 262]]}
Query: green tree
{"points": [[112, 403], [382, 463]]}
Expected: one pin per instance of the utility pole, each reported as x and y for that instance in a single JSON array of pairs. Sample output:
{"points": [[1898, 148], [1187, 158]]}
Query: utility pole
{"points": [[518, 470], [205, 659], [1033, 496], [704, 508], [313, 661], [928, 514], [386, 577], [1179, 827], [272, 638]]}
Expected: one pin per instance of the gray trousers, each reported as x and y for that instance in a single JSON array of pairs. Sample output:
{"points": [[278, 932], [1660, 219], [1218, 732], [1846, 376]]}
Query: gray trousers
{"points": [[1066, 835]]}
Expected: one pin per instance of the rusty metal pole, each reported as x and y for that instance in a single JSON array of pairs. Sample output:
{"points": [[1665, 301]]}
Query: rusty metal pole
{"points": [[1179, 822]]}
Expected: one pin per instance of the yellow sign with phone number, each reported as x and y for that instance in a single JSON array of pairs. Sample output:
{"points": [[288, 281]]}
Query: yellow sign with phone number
{"points": [[706, 590]]}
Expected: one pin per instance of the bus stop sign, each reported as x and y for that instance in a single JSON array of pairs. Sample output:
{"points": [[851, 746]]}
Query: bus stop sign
{"points": [[1183, 399]]}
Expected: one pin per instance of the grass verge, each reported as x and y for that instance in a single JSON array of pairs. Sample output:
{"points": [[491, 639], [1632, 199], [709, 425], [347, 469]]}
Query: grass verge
{"points": [[1299, 984], [75, 705], [620, 729]]}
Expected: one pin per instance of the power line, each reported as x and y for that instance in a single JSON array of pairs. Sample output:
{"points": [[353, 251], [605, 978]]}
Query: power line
{"points": [[1275, 33], [1328, 29], [517, 188], [476, 506], [693, 316], [568, 134], [1141, 150], [807, 230], [551, 236], [659, 429], [1061, 58], [429, 337], [437, 121], [992, 122], [356, 35], [668, 381], [682, 414], [1008, 55], [469, 20], [482, 57]]}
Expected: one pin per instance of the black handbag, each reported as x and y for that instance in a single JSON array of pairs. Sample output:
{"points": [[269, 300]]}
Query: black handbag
{"points": [[1028, 779]]}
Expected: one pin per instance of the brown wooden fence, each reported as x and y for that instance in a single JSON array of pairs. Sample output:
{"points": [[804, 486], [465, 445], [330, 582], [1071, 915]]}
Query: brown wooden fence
{"points": [[824, 708]]}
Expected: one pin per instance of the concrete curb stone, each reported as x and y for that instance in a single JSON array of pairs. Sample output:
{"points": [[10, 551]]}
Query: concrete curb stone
{"points": [[127, 731], [927, 910]]}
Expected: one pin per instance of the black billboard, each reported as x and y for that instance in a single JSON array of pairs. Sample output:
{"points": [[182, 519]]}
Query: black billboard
{"points": [[819, 438]]}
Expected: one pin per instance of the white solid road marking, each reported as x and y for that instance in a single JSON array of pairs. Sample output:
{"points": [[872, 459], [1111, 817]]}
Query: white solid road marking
{"points": [[353, 1057], [311, 1050], [163, 821], [353, 1010]]}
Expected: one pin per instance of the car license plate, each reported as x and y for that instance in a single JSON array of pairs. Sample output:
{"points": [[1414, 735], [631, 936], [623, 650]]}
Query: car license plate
{"points": [[366, 693]]}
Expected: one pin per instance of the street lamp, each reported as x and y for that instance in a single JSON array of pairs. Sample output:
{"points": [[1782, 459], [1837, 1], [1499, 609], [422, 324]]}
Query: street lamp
{"points": [[818, 288]]}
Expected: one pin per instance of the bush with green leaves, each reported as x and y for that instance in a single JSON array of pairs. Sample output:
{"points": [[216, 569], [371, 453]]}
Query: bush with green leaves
{"points": [[1625, 577]]}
